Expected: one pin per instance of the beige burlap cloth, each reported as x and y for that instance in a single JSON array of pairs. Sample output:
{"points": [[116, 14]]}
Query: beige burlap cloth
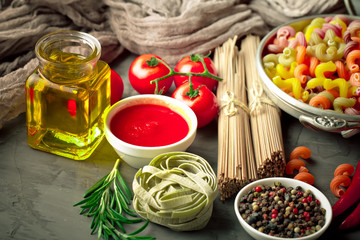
{"points": [[169, 28]]}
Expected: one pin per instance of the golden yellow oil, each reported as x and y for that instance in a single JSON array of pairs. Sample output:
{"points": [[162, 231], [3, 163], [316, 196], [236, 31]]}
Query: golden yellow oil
{"points": [[65, 108]]}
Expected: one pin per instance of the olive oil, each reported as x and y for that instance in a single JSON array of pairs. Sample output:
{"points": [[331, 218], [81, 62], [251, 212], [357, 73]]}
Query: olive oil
{"points": [[66, 97]]}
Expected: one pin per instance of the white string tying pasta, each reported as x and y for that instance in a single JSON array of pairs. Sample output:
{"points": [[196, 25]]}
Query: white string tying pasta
{"points": [[229, 104], [255, 105]]}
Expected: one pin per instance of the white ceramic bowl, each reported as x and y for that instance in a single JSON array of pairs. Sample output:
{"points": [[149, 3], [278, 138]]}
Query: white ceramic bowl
{"points": [[139, 156], [311, 117], [287, 182]]}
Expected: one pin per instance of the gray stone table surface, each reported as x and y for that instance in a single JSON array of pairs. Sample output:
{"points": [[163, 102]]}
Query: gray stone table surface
{"points": [[38, 189]]}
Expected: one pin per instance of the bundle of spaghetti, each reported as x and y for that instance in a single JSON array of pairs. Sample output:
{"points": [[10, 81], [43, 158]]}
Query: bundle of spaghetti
{"points": [[236, 162], [264, 117]]}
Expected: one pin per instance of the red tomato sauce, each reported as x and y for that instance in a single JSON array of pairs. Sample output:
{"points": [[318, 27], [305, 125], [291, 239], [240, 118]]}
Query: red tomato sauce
{"points": [[149, 125]]}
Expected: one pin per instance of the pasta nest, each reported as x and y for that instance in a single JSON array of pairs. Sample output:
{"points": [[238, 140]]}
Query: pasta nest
{"points": [[176, 190]]}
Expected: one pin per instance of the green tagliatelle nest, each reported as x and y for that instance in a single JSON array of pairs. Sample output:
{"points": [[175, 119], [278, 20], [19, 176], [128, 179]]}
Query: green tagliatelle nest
{"points": [[176, 190]]}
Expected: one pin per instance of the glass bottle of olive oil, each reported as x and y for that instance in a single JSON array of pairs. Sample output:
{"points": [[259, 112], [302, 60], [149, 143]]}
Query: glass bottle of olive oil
{"points": [[67, 95]]}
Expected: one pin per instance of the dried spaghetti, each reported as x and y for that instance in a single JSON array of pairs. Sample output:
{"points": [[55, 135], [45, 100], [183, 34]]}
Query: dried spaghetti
{"points": [[264, 118], [236, 162]]}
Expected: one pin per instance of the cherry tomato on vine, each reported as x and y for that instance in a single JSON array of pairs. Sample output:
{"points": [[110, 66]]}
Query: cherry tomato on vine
{"points": [[117, 87], [146, 68], [194, 65], [204, 104]]}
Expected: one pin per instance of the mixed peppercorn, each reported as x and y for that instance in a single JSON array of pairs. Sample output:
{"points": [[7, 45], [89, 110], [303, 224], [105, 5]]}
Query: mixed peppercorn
{"points": [[280, 211]]}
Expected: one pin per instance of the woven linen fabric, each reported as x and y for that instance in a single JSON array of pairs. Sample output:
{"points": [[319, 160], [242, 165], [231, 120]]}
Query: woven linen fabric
{"points": [[171, 29]]}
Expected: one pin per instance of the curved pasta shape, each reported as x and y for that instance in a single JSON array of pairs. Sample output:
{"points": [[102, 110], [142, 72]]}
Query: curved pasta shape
{"points": [[283, 72], [320, 101], [350, 46], [314, 62], [323, 52], [351, 111], [292, 165], [354, 28], [303, 169], [339, 83], [300, 37], [287, 57], [343, 102], [355, 79], [351, 59], [292, 84], [315, 23], [270, 60], [286, 31], [301, 72], [328, 95], [316, 37], [329, 37], [336, 182], [347, 36], [341, 70], [340, 24], [305, 177], [324, 67], [300, 54], [273, 48], [319, 32], [335, 28], [344, 169], [300, 151], [315, 82]]}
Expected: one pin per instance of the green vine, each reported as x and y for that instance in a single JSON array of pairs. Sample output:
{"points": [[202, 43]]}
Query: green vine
{"points": [[194, 57]]}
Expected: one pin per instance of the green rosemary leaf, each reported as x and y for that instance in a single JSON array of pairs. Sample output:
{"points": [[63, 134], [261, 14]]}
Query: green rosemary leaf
{"points": [[95, 186], [109, 207], [141, 228], [124, 185]]}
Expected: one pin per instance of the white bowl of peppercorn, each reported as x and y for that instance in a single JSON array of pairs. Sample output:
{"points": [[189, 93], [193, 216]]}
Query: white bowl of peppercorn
{"points": [[278, 208]]}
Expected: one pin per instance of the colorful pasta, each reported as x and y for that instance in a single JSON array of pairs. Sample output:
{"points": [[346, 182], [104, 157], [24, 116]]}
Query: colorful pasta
{"points": [[355, 79], [300, 54], [292, 84], [351, 60], [287, 57], [320, 101], [336, 182], [286, 73], [338, 83], [344, 169], [301, 71], [305, 177], [300, 152], [341, 70], [292, 165], [319, 63], [341, 102]]}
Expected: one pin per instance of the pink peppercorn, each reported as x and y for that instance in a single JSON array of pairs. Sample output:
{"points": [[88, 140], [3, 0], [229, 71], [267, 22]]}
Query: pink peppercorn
{"points": [[258, 189], [295, 211]]}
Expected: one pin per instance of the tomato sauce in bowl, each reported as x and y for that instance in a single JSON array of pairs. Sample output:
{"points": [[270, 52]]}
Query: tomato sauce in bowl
{"points": [[143, 126], [149, 125]]}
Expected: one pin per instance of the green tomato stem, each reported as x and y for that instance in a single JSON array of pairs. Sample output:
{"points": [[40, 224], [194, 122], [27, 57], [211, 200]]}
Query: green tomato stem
{"points": [[205, 73]]}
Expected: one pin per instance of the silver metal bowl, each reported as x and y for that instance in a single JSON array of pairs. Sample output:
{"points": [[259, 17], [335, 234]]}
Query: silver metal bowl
{"points": [[311, 117]]}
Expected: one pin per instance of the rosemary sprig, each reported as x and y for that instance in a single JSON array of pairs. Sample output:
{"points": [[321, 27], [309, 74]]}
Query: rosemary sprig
{"points": [[107, 201]]}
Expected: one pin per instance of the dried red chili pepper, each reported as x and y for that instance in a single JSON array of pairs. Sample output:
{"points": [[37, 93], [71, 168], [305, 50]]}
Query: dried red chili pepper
{"points": [[352, 220], [351, 196]]}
